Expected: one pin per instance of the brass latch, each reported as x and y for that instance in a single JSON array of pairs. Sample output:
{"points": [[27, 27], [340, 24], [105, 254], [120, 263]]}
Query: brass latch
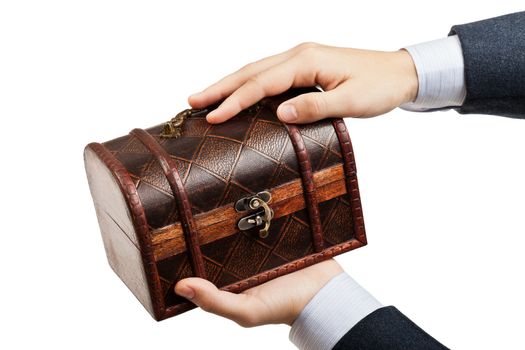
{"points": [[263, 215], [173, 128]]}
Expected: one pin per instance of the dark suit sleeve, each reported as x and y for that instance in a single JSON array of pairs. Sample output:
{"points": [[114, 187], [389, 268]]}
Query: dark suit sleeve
{"points": [[387, 329], [494, 56]]}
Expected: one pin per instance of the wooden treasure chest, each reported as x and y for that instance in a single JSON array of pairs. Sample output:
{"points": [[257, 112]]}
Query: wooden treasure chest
{"points": [[237, 203]]}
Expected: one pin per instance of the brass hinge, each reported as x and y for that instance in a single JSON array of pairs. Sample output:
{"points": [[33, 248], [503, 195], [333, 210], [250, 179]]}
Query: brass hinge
{"points": [[173, 128]]}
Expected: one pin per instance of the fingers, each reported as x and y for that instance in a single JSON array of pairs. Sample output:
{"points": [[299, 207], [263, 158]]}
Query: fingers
{"points": [[314, 106], [232, 82], [241, 308], [277, 301], [272, 81]]}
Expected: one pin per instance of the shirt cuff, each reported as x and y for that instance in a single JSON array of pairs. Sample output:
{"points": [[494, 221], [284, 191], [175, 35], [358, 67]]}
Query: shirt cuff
{"points": [[441, 74], [332, 312]]}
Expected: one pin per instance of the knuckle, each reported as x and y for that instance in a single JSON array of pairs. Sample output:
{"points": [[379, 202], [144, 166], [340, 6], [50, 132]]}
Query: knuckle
{"points": [[254, 79], [248, 67], [310, 55], [255, 82], [317, 104], [307, 45], [239, 106]]}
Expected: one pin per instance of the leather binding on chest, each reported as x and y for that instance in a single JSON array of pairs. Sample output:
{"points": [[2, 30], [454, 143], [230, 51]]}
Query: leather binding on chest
{"points": [[237, 203]]}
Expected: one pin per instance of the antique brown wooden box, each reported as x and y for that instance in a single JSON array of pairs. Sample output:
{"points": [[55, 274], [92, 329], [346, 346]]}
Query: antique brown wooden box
{"points": [[170, 208]]}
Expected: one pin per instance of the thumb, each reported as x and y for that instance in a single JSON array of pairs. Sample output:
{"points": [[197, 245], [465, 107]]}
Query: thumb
{"points": [[203, 293], [313, 106]]}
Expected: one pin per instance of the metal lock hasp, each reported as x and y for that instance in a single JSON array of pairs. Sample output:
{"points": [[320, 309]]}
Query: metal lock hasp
{"points": [[262, 216]]}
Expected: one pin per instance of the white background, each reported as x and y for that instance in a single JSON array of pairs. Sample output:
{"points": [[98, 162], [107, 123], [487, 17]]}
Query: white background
{"points": [[443, 194]]}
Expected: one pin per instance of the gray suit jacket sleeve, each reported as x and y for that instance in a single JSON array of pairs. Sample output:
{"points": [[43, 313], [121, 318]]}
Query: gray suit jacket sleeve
{"points": [[387, 329], [494, 55]]}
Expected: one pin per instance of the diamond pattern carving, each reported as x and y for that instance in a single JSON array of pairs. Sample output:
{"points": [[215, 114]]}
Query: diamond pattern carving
{"points": [[268, 138], [218, 156]]}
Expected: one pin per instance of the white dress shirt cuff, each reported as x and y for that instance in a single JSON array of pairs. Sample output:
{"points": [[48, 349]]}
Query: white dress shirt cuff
{"points": [[332, 312], [440, 70]]}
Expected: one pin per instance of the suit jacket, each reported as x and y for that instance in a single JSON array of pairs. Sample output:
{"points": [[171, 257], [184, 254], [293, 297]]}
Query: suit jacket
{"points": [[494, 57]]}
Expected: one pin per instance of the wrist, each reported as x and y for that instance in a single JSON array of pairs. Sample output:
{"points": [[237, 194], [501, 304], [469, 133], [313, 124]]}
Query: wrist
{"points": [[408, 75], [334, 310], [440, 71], [315, 278]]}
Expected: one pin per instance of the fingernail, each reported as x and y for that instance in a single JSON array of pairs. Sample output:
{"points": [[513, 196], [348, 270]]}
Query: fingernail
{"points": [[186, 292], [287, 113], [210, 116]]}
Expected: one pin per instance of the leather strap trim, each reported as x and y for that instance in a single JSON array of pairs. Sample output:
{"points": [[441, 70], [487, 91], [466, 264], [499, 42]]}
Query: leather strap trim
{"points": [[181, 198], [140, 224], [310, 195], [266, 276], [352, 187]]}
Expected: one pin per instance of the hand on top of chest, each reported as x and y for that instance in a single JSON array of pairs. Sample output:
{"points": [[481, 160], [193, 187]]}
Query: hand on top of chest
{"points": [[356, 83]]}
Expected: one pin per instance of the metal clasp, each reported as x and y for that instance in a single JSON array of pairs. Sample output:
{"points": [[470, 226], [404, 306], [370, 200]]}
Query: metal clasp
{"points": [[173, 128], [263, 215]]}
